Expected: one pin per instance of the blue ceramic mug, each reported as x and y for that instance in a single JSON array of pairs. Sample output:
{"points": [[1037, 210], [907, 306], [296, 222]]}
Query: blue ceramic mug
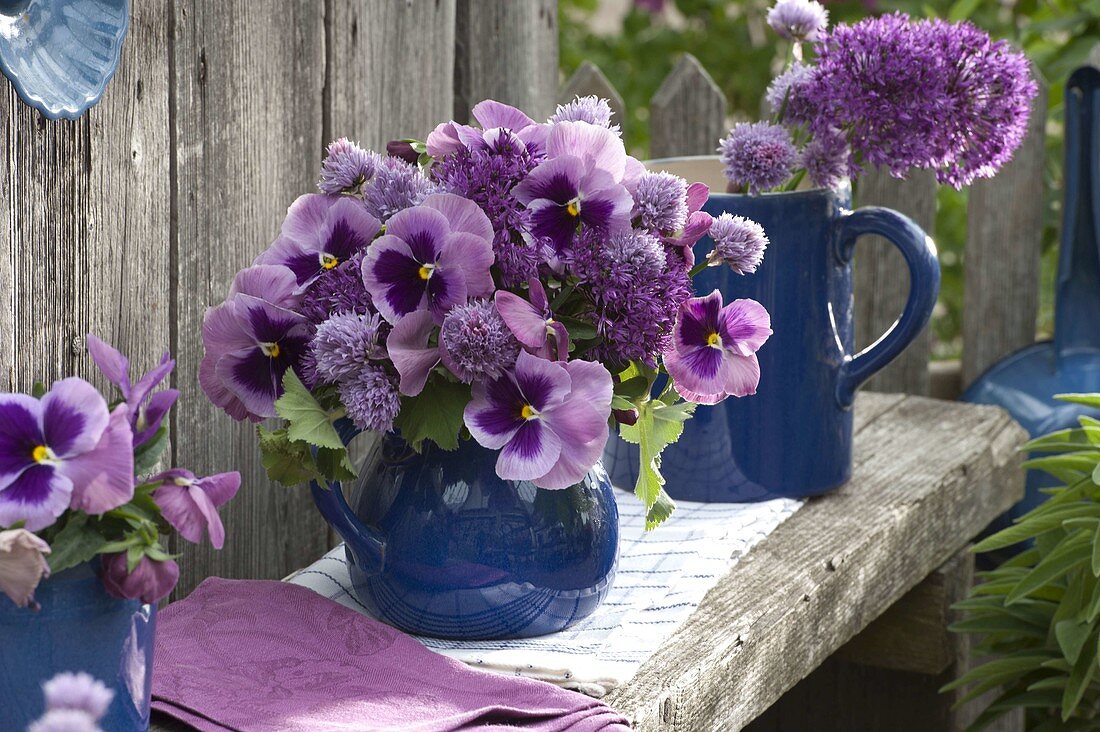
{"points": [[794, 437]]}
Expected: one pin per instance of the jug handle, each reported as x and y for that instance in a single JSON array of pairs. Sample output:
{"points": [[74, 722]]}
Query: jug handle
{"points": [[924, 277], [366, 546]]}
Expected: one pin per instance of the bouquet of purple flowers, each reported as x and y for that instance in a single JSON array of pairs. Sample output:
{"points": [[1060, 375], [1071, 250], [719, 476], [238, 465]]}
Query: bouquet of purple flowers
{"points": [[519, 283], [885, 91], [70, 488]]}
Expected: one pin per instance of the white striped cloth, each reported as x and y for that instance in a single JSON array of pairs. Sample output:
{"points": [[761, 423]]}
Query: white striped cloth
{"points": [[663, 575]]}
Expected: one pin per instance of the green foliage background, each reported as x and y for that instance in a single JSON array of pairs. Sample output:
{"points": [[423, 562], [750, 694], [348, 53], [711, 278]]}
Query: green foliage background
{"points": [[732, 41]]}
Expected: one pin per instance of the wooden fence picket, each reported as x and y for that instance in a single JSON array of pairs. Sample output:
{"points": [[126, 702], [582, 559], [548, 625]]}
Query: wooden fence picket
{"points": [[687, 115]]}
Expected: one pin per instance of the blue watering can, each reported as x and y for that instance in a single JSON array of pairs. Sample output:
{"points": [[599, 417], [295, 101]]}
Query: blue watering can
{"points": [[1025, 382]]}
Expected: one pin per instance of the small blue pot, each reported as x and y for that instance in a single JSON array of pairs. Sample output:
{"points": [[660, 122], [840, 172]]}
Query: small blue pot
{"points": [[78, 628], [793, 438], [438, 545]]}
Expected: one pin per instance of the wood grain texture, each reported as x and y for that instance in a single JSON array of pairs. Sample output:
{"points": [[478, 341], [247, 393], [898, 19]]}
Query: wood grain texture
{"points": [[881, 279], [688, 112], [390, 68], [85, 221], [248, 116], [506, 50], [588, 80], [1004, 238], [928, 475]]}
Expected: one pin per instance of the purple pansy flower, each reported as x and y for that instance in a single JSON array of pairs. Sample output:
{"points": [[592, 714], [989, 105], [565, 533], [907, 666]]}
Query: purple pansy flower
{"points": [[64, 450], [150, 581], [412, 354], [250, 342], [697, 225], [146, 411], [191, 504], [533, 324], [319, 233], [546, 418], [432, 257], [713, 352]]}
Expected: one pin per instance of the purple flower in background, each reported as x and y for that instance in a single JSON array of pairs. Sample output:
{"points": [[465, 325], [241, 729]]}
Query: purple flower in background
{"points": [[346, 167], [475, 343], [713, 355], [970, 113], [65, 450], [540, 412], [395, 186], [147, 411], [22, 565], [319, 233], [533, 324], [409, 349], [826, 159], [371, 398], [798, 20], [660, 202], [431, 257], [758, 156], [787, 93], [78, 691], [150, 582], [340, 291], [191, 504], [250, 343], [738, 243], [590, 109]]}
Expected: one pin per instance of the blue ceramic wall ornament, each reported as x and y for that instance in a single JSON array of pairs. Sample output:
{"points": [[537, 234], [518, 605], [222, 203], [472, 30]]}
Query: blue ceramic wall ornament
{"points": [[60, 54]]}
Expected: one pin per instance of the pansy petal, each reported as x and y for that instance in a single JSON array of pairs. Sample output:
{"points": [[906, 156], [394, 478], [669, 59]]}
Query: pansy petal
{"points": [[443, 140], [294, 255], [149, 419], [392, 277], [263, 321], [213, 522], [552, 221], [697, 321], [555, 180], [696, 374], [744, 326], [111, 362], [575, 421], [491, 113], [591, 383], [573, 463], [531, 452], [216, 392], [20, 433], [272, 282], [103, 478], [221, 487], [177, 505], [37, 497], [74, 415], [697, 194], [222, 331], [740, 374], [493, 412], [417, 224], [632, 173], [305, 217], [250, 376], [462, 214], [446, 289], [350, 228], [473, 256], [543, 384], [149, 381], [601, 146], [522, 318], [408, 348]]}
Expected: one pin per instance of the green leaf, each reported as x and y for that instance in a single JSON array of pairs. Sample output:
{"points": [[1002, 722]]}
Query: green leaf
{"points": [[336, 465], [1071, 636], [1068, 440], [962, 9], [308, 420], [38, 390], [635, 387], [287, 463], [1088, 400], [1070, 553], [148, 455], [435, 414], [76, 543], [1079, 678], [620, 402], [658, 426], [579, 330]]}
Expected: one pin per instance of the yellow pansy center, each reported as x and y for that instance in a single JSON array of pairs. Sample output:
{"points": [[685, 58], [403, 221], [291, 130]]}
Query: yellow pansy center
{"points": [[40, 454], [574, 207], [328, 261], [271, 350], [714, 340], [528, 412], [425, 271], [181, 481]]}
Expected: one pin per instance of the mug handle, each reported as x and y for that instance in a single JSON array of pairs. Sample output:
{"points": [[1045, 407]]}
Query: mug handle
{"points": [[924, 286], [366, 547]]}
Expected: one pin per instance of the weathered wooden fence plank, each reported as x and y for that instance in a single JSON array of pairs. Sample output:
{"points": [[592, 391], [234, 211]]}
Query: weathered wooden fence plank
{"points": [[248, 114], [506, 50], [688, 113], [390, 69], [588, 80], [1003, 245], [881, 278], [86, 221]]}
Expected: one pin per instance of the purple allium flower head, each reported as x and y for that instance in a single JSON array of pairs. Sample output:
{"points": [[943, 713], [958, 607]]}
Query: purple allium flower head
{"points": [[826, 159], [474, 342], [548, 419], [395, 186], [787, 92], [590, 109], [65, 450], [65, 720], [798, 20], [758, 155], [147, 410], [346, 167], [432, 257], [22, 565], [739, 243], [532, 322], [713, 355], [660, 202], [78, 691], [318, 234], [340, 291], [190, 504], [344, 344], [150, 582], [635, 293], [927, 94], [371, 398]]}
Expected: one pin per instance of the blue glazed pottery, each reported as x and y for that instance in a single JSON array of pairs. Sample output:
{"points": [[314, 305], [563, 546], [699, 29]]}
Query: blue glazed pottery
{"points": [[794, 437], [60, 54], [438, 545], [78, 628], [1025, 382]]}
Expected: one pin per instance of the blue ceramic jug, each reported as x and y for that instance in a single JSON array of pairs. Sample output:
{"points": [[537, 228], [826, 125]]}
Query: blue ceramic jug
{"points": [[438, 545], [794, 437], [78, 628]]}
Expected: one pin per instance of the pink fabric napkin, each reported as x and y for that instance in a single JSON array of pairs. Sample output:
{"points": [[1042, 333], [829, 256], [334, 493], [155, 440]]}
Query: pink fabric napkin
{"points": [[266, 656]]}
